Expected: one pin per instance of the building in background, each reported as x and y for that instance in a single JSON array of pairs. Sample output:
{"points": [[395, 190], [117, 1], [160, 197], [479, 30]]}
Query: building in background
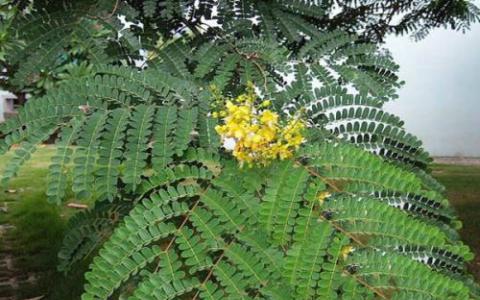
{"points": [[7, 105]]}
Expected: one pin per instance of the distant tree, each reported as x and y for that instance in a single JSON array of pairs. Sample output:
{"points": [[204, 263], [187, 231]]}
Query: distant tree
{"points": [[374, 20]]}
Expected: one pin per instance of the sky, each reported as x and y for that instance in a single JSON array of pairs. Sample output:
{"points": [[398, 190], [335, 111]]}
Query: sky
{"points": [[440, 101]]}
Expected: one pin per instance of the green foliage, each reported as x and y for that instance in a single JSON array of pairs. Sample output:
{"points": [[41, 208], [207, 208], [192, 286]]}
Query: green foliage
{"points": [[136, 145], [353, 215], [86, 154], [87, 230], [195, 231], [165, 126], [57, 183], [110, 153]]}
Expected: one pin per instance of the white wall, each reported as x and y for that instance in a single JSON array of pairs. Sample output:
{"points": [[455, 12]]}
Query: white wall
{"points": [[2, 110], [6, 103]]}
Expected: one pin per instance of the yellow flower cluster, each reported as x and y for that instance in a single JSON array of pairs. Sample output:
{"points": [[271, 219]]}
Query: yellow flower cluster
{"points": [[254, 132]]}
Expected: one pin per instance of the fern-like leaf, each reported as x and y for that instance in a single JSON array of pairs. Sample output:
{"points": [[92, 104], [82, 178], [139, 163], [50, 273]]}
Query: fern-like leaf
{"points": [[138, 134]]}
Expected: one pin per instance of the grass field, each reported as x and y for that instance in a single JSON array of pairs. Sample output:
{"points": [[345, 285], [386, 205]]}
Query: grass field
{"points": [[463, 190], [39, 226], [38, 231]]}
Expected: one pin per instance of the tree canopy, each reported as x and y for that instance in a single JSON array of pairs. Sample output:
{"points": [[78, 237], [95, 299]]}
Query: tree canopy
{"points": [[158, 21]]}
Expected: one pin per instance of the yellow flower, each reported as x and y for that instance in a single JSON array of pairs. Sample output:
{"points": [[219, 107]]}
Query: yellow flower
{"points": [[239, 133], [269, 117], [296, 140], [221, 129], [229, 105], [266, 103], [257, 134], [257, 138]]}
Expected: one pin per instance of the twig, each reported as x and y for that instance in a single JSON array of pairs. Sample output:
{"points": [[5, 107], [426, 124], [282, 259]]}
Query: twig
{"points": [[185, 219], [114, 8], [217, 262], [244, 55], [210, 273], [323, 178], [348, 234], [77, 205], [368, 286]]}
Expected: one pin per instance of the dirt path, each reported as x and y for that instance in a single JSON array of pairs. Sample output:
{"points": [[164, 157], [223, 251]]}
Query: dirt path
{"points": [[457, 160]]}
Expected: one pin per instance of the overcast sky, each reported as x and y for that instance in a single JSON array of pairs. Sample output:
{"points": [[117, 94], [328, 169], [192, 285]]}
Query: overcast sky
{"points": [[440, 101]]}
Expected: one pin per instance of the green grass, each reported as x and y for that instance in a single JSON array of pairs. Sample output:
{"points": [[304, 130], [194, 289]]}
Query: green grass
{"points": [[39, 229], [40, 225], [463, 190]]}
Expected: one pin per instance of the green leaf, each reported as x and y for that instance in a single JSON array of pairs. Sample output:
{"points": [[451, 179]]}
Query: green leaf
{"points": [[86, 155], [138, 139]]}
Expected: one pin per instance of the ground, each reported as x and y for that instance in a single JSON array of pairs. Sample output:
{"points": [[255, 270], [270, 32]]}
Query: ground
{"points": [[463, 190], [31, 234], [28, 248]]}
